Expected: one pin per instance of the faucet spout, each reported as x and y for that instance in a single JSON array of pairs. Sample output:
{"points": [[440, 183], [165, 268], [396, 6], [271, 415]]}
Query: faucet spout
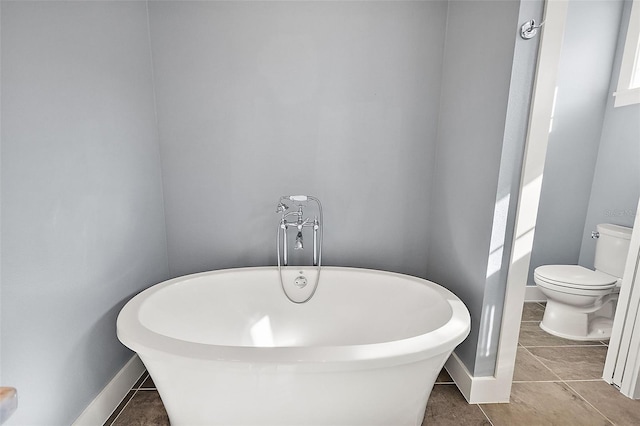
{"points": [[298, 245]]}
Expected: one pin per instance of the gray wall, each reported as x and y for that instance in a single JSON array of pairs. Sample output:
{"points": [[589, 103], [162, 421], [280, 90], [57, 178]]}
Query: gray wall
{"points": [[583, 92], [333, 99], [471, 132], [616, 181], [82, 215]]}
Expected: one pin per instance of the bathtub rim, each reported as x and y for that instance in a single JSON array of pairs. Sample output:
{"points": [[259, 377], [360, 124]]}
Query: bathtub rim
{"points": [[443, 339]]}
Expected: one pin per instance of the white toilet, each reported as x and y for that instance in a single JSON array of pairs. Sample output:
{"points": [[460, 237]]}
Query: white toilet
{"points": [[581, 302]]}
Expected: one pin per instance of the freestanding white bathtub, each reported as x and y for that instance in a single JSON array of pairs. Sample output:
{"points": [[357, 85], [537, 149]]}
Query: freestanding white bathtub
{"points": [[228, 348]]}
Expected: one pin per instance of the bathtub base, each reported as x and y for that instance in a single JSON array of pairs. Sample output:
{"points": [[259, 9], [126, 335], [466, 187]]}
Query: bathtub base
{"points": [[227, 393]]}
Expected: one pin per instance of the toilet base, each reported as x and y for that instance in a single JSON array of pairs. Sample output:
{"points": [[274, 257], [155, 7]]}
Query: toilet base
{"points": [[571, 323], [599, 329]]}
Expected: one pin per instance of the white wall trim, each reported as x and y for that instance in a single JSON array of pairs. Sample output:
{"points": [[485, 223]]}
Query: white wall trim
{"points": [[533, 294], [460, 375], [476, 390], [99, 410]]}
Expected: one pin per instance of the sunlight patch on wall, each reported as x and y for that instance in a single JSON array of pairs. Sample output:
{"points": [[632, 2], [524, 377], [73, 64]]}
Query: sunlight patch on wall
{"points": [[497, 235], [553, 109]]}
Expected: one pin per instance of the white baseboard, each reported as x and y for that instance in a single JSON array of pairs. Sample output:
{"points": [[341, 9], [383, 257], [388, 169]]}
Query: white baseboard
{"points": [[533, 294], [108, 399], [476, 390]]}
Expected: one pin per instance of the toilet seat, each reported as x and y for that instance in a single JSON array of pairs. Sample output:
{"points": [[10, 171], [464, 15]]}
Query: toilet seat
{"points": [[574, 290], [567, 278]]}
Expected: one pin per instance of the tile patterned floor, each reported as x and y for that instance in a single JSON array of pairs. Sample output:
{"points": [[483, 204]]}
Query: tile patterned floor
{"points": [[556, 382]]}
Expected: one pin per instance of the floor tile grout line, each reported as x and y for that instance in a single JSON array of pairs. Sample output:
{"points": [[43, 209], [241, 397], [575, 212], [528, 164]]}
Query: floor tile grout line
{"points": [[141, 382], [124, 407], [135, 391], [587, 401], [147, 377], [556, 381], [557, 375], [565, 346], [543, 364], [485, 414]]}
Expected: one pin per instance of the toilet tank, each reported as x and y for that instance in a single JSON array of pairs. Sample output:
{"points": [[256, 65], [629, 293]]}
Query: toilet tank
{"points": [[611, 248]]}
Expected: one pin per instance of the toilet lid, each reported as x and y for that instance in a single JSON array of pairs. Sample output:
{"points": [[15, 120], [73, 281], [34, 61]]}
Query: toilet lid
{"points": [[575, 276]]}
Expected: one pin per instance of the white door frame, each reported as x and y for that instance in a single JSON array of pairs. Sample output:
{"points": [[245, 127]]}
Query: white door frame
{"points": [[498, 388], [622, 366], [530, 186]]}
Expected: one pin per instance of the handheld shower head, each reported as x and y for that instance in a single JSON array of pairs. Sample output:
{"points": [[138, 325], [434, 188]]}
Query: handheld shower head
{"points": [[298, 198]]}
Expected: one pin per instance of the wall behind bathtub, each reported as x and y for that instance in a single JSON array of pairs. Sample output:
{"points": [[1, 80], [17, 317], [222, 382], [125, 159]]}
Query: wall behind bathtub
{"points": [[333, 99], [82, 215], [389, 112]]}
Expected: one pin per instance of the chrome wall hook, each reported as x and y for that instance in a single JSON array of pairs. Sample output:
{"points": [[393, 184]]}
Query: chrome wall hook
{"points": [[529, 29]]}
